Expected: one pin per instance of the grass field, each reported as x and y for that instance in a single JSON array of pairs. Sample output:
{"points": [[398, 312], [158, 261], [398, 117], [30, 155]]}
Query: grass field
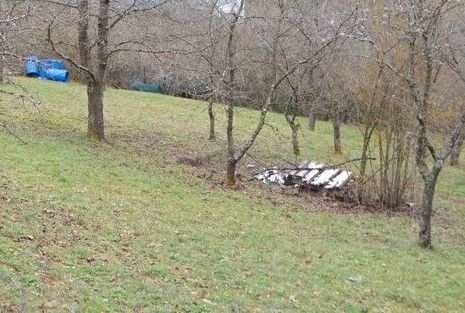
{"points": [[123, 227]]}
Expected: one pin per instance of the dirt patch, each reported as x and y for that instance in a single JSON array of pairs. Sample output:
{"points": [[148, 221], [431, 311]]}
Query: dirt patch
{"points": [[306, 199], [53, 218], [194, 160], [9, 308]]}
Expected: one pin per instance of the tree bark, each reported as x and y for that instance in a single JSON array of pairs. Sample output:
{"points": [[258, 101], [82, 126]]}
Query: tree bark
{"points": [[231, 172], [2, 56], [231, 162], [95, 125], [295, 139], [2, 43], [96, 86], [1, 68], [95, 81], [311, 120], [211, 115], [337, 135], [456, 151], [424, 237]]}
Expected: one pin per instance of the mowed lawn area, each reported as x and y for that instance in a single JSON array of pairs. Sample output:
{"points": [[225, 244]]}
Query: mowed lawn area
{"points": [[126, 227]]}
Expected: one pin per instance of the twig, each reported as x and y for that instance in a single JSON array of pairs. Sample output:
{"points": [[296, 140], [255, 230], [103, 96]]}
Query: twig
{"points": [[5, 127], [353, 160]]}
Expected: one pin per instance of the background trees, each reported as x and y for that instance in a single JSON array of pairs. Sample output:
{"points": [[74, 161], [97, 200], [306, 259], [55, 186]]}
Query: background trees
{"points": [[13, 15], [395, 69]]}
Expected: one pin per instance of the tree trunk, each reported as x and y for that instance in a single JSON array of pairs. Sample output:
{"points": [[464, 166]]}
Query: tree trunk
{"points": [[231, 162], [456, 151], [311, 120], [211, 115], [1, 69], [95, 126], [2, 43], [295, 140], [96, 80], [230, 84], [337, 135], [96, 87], [231, 172], [424, 238]]}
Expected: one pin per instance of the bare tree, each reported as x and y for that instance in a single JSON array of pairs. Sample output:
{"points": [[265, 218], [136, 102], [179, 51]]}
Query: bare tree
{"points": [[336, 100], [229, 80], [420, 29], [291, 112], [206, 50], [299, 91], [213, 72], [294, 17], [97, 26]]}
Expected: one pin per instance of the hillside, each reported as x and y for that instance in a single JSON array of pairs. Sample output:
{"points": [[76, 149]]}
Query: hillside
{"points": [[126, 227]]}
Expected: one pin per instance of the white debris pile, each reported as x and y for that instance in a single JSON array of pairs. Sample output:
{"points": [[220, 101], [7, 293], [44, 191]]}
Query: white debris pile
{"points": [[311, 174]]}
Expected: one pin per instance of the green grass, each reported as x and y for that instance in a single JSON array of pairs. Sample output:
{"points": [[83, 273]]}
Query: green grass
{"points": [[122, 227]]}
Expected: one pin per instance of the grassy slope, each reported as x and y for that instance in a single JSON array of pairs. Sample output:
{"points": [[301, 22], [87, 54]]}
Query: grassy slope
{"points": [[124, 228]]}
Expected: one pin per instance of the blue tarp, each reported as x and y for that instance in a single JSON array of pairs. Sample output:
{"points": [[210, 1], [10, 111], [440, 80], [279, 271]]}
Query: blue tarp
{"points": [[145, 87], [47, 69]]}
